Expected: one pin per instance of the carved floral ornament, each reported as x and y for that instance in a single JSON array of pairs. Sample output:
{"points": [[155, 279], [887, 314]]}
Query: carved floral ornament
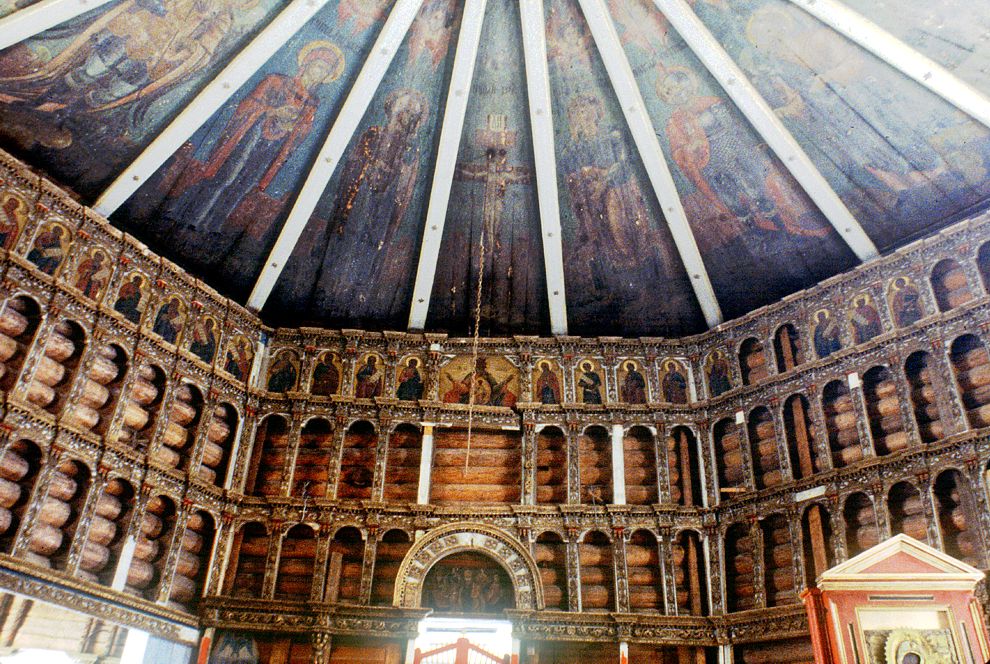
{"points": [[456, 538]]}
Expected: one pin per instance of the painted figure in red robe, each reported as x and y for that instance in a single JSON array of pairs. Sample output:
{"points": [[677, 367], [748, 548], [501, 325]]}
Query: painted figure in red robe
{"points": [[259, 138]]}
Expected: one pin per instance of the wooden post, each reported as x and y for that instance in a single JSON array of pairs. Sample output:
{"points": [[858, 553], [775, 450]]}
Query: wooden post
{"points": [[425, 465]]}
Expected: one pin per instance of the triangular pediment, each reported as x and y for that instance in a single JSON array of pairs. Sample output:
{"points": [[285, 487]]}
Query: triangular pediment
{"points": [[903, 559]]}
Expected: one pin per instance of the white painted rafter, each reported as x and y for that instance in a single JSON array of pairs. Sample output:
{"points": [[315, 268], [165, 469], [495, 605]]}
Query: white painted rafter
{"points": [[35, 19], [645, 136], [748, 99], [351, 113], [462, 74], [209, 100], [545, 157], [899, 55]]}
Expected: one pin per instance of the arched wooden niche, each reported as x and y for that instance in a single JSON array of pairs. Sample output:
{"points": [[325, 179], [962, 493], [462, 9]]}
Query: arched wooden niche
{"points": [[498, 546], [468, 582]]}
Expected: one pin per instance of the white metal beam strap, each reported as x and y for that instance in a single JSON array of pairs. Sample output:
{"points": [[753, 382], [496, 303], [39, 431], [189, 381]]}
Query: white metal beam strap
{"points": [[350, 116], [458, 93], [896, 53], [545, 157], [645, 136], [35, 19], [765, 121], [207, 102]]}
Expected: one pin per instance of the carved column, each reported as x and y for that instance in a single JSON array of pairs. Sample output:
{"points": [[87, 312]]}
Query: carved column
{"points": [[381, 459], [928, 509], [573, 464], [746, 450], [855, 384], [620, 571], [241, 461], [336, 455], [573, 564], [222, 558], [820, 438], [320, 560], [878, 495], [665, 546], [839, 535], [85, 520], [904, 400], [950, 403], [368, 564], [780, 438], [278, 530], [322, 643], [793, 515], [663, 463], [981, 510], [291, 453], [529, 463], [202, 433], [759, 563], [174, 548], [714, 566]]}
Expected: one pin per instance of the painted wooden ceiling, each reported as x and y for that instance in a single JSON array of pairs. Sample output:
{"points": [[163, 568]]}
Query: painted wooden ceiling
{"points": [[609, 167]]}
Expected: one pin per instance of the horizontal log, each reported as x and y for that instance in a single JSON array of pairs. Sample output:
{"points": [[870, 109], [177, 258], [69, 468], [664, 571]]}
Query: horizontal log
{"points": [[141, 574], [62, 486], [553, 597], [594, 555], [979, 417], [971, 359], [643, 576], [596, 597], [143, 391], [45, 539], [55, 513], [182, 413], [60, 347], [95, 557], [175, 436], [9, 348], [213, 454], [6, 520], [641, 495], [187, 564], [206, 475], [135, 416], [10, 493], [218, 431], [102, 531], [183, 589], [40, 395], [165, 456], [12, 322], [478, 493], [847, 455], [81, 417], [148, 550]]}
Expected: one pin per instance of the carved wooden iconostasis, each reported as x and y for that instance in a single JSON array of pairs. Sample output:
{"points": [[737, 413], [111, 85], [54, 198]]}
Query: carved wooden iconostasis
{"points": [[900, 602]]}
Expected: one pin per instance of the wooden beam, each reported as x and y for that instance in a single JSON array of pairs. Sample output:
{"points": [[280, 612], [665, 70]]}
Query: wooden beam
{"points": [[351, 113], [767, 124], [899, 55], [545, 157], [35, 19], [458, 93], [645, 136], [209, 100]]}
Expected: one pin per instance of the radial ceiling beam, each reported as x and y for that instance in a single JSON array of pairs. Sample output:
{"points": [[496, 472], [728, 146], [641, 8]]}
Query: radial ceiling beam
{"points": [[900, 56], [465, 57], [769, 126], [545, 157], [351, 113], [35, 19], [645, 136], [209, 100]]}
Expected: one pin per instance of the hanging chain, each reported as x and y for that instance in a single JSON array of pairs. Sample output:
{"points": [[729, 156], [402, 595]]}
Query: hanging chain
{"points": [[474, 348]]}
